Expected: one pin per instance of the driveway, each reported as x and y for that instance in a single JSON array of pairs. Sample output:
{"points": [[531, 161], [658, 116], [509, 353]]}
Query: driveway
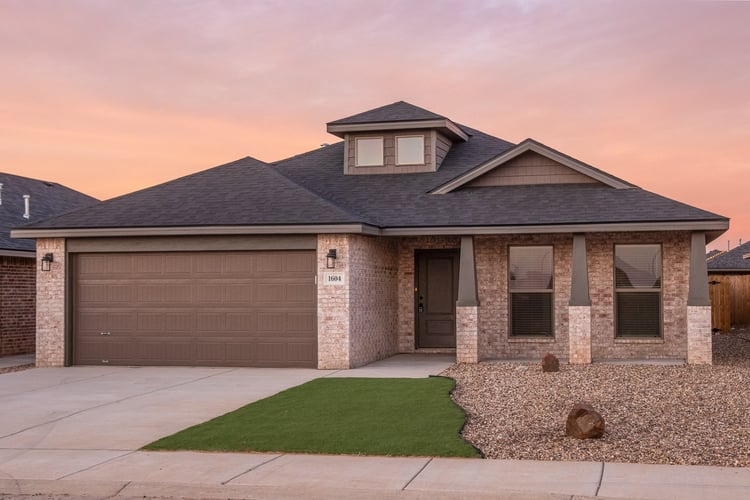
{"points": [[59, 422], [121, 408]]}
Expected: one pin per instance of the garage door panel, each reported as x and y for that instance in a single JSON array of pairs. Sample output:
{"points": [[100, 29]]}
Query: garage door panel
{"points": [[202, 309], [241, 322], [178, 264], [300, 352]]}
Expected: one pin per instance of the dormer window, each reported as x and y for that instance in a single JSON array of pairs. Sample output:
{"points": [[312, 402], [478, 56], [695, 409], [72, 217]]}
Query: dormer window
{"points": [[410, 150], [369, 151]]}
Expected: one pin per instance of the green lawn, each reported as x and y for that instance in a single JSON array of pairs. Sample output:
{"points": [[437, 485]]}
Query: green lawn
{"points": [[357, 416]]}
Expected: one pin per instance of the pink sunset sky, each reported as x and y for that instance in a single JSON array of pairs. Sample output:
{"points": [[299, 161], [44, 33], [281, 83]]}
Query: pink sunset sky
{"points": [[110, 97]]}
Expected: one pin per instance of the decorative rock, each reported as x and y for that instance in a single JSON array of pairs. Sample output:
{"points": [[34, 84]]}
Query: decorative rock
{"points": [[584, 422], [550, 363]]}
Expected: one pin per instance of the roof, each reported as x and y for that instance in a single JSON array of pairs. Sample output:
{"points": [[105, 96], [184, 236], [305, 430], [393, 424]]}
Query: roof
{"points": [[733, 260], [243, 192], [397, 112], [713, 253], [46, 199], [307, 191], [404, 200]]}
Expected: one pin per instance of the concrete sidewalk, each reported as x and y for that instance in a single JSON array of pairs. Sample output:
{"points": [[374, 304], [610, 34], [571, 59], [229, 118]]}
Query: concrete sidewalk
{"points": [[234, 475]]}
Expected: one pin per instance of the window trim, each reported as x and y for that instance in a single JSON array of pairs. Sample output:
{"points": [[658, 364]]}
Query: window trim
{"points": [[382, 151], [530, 338], [660, 291], [395, 145]]}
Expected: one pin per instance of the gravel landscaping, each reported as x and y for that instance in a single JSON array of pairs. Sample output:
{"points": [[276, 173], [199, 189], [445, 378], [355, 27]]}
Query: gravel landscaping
{"points": [[19, 368], [696, 415]]}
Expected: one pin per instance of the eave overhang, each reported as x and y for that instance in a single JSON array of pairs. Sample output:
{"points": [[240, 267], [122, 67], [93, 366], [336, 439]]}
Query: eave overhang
{"points": [[539, 148], [445, 126], [17, 253], [32, 233], [712, 228]]}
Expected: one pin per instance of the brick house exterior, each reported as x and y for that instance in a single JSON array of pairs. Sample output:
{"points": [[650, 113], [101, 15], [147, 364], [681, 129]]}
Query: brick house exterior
{"points": [[23, 200], [433, 237]]}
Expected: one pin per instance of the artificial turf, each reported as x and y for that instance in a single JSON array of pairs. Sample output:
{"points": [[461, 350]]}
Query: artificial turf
{"points": [[356, 416]]}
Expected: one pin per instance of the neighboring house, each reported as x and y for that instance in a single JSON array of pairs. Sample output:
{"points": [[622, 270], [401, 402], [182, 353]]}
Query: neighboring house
{"points": [[729, 284], [414, 233], [24, 200]]}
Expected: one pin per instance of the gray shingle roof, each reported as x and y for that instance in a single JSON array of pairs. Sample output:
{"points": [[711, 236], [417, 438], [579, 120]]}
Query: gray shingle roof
{"points": [[397, 112], [732, 260], [243, 192], [311, 189], [401, 200], [47, 199]]}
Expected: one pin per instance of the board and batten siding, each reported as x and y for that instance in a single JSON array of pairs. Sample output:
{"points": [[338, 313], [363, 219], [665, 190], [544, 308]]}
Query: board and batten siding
{"points": [[389, 153], [530, 168]]}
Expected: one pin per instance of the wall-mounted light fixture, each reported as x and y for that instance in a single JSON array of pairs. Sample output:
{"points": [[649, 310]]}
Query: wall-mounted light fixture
{"points": [[331, 258], [47, 261]]}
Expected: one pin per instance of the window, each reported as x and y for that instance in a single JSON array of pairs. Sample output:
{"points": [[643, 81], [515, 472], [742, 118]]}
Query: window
{"points": [[638, 290], [531, 298], [410, 150], [369, 152]]}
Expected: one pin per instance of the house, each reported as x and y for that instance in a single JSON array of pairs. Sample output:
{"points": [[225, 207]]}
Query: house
{"points": [[729, 286], [414, 233], [24, 200]]}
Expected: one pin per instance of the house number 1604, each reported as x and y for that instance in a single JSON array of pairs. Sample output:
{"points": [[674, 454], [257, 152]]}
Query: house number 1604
{"points": [[333, 278]]}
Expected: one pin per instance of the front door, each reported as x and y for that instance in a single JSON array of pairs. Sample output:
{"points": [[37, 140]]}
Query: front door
{"points": [[436, 293]]}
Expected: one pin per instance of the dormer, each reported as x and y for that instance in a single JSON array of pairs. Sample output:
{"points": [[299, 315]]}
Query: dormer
{"points": [[394, 139]]}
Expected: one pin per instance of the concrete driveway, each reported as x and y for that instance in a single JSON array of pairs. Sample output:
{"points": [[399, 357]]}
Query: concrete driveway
{"points": [[119, 408]]}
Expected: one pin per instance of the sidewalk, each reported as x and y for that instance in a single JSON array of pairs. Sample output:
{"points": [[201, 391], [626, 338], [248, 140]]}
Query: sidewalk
{"points": [[128, 474]]}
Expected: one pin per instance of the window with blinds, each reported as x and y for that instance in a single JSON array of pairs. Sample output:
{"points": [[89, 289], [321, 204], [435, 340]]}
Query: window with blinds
{"points": [[530, 284], [638, 290]]}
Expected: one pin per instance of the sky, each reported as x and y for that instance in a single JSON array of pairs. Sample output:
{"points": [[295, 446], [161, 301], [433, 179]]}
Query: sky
{"points": [[107, 97]]}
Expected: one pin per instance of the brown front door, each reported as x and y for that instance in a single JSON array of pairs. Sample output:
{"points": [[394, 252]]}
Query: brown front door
{"points": [[436, 294]]}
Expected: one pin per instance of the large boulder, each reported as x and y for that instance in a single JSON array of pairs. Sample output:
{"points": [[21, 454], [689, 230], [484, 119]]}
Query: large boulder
{"points": [[550, 363], [584, 422]]}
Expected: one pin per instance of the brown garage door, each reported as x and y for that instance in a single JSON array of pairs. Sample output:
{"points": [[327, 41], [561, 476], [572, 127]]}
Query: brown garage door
{"points": [[195, 309]]}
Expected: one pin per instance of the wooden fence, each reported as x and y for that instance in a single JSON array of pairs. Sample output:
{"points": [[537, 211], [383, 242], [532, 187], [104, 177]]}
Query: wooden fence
{"points": [[730, 300]]}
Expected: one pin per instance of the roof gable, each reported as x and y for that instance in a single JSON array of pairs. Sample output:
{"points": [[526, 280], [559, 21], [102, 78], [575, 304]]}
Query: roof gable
{"points": [[532, 162]]}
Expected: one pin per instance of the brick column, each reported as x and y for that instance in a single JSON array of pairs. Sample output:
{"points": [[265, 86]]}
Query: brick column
{"points": [[579, 334], [333, 304], [699, 348], [50, 304], [699, 335], [579, 308], [467, 329]]}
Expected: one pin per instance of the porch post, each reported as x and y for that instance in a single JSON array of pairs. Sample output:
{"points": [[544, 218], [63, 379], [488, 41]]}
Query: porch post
{"points": [[699, 348], [579, 308], [467, 306]]}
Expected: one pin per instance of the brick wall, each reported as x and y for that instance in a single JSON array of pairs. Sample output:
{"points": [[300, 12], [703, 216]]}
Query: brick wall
{"points": [[492, 281], [357, 320], [333, 305], [17, 305], [373, 299], [676, 266], [50, 312]]}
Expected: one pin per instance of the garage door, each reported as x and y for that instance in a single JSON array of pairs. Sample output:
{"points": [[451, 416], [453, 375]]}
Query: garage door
{"points": [[195, 309]]}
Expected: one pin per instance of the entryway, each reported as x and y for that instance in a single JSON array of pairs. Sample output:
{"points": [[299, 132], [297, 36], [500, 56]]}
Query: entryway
{"points": [[436, 292]]}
